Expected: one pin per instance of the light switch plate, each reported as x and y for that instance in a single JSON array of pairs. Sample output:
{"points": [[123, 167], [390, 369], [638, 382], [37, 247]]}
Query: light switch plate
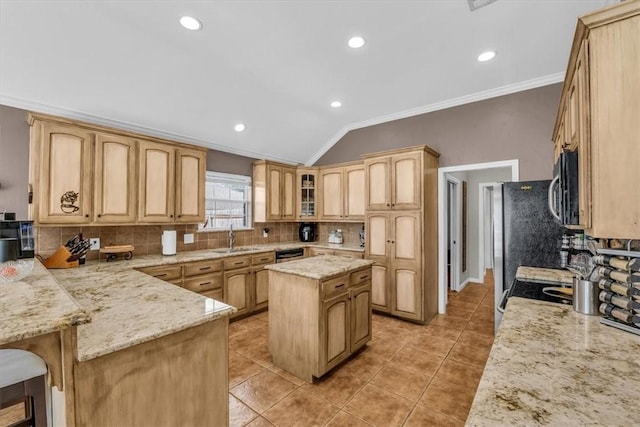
{"points": [[95, 244], [188, 238]]}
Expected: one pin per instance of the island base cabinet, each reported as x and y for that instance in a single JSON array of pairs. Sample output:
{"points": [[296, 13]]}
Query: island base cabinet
{"points": [[335, 332], [179, 379]]}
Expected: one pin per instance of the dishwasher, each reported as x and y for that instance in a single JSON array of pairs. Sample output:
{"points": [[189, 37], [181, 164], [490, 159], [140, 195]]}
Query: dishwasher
{"points": [[289, 254]]}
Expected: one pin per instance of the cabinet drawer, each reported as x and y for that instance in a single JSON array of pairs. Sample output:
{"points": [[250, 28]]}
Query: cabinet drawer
{"points": [[333, 286], [233, 263], [163, 272], [215, 294], [206, 282], [360, 276], [350, 254], [318, 251], [202, 267], [265, 258], [177, 282]]}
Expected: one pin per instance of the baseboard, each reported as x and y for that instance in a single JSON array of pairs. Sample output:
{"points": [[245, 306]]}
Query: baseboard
{"points": [[466, 282]]}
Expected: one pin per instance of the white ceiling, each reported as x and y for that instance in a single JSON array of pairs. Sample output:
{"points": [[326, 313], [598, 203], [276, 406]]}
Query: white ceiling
{"points": [[273, 65]]}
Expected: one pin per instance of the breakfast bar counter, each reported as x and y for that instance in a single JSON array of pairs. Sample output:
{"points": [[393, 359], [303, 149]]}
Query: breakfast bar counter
{"points": [[550, 365]]}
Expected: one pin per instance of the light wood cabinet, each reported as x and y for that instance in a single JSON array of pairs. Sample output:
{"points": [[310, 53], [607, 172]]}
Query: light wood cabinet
{"points": [[342, 193], [316, 324], [60, 172], [260, 280], [171, 184], [115, 179], [307, 189], [394, 181], [236, 290], [274, 192], [598, 112], [86, 174], [403, 241]]}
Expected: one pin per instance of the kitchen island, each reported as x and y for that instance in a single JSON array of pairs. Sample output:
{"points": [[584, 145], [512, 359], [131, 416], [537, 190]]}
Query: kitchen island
{"points": [[550, 365], [319, 313]]}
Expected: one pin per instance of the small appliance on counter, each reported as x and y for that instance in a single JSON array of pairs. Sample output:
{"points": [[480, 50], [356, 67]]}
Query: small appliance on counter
{"points": [[22, 231], [169, 239], [335, 236], [307, 232], [362, 237]]}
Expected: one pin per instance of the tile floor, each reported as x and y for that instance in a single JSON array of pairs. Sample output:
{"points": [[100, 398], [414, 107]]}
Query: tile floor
{"points": [[408, 374]]}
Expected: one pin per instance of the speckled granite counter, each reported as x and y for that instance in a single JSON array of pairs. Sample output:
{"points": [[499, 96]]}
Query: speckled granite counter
{"points": [[320, 268], [552, 366], [550, 275], [35, 306]]}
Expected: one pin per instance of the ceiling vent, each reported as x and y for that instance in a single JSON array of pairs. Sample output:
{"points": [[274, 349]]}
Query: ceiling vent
{"points": [[477, 4]]}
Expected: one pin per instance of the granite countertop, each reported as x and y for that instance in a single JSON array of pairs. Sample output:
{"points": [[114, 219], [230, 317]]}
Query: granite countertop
{"points": [[550, 275], [320, 267], [552, 366], [36, 305]]}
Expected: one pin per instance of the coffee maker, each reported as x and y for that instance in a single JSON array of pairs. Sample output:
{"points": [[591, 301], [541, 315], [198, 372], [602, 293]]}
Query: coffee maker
{"points": [[307, 232]]}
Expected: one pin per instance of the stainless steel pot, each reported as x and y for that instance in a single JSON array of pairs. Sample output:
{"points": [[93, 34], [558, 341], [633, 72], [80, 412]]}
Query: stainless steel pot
{"points": [[585, 297]]}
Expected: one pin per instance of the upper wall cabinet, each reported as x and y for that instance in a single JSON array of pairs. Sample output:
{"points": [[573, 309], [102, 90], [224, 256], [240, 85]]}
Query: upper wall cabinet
{"points": [[60, 174], [598, 117], [274, 192], [342, 192], [307, 190], [84, 174]]}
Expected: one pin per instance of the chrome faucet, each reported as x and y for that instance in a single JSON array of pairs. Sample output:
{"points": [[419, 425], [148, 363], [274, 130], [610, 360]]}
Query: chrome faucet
{"points": [[232, 237]]}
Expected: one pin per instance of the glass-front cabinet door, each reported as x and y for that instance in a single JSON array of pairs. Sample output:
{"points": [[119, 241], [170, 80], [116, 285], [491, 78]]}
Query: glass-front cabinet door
{"points": [[307, 186]]}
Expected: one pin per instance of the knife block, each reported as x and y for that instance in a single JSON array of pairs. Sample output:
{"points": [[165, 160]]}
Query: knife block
{"points": [[59, 259]]}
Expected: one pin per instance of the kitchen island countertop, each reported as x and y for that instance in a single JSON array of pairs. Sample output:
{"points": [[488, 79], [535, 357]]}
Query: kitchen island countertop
{"points": [[539, 274], [550, 365], [320, 267]]}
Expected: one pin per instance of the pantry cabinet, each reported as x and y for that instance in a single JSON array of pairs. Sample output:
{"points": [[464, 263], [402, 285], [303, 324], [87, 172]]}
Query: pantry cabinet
{"points": [[85, 174], [598, 118], [274, 192], [342, 192], [402, 231]]}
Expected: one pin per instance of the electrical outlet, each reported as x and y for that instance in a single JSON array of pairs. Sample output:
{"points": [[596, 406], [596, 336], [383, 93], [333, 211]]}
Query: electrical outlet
{"points": [[95, 244], [188, 238]]}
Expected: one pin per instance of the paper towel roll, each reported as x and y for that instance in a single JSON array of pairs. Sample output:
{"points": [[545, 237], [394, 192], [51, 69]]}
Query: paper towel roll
{"points": [[169, 238]]}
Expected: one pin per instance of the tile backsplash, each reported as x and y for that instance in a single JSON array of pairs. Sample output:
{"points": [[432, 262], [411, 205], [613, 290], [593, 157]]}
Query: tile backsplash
{"points": [[147, 238]]}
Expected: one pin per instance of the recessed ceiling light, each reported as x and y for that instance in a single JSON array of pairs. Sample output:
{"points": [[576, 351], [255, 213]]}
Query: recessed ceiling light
{"points": [[239, 127], [486, 56], [336, 104], [356, 42], [190, 23]]}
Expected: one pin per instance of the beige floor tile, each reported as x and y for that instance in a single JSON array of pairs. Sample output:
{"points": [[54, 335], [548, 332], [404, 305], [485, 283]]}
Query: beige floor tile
{"points": [[443, 320], [260, 422], [460, 374], [241, 369], [263, 390], [301, 408], [362, 366], [470, 354], [344, 419], [401, 381], [421, 417], [442, 331], [236, 328], [239, 413], [383, 349], [286, 375], [337, 387], [417, 361], [481, 340], [456, 303], [430, 344], [449, 399], [485, 327], [454, 312], [379, 407]]}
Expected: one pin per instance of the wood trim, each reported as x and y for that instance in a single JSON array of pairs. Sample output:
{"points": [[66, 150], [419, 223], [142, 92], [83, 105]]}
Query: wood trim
{"points": [[424, 148]]}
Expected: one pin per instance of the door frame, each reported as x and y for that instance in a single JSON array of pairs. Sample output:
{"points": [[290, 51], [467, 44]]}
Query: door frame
{"points": [[483, 192], [442, 202], [456, 235]]}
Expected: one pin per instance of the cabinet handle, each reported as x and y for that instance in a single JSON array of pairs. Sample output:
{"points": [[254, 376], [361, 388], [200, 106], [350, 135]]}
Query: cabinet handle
{"points": [[205, 268], [179, 216], [264, 259], [205, 283], [388, 241], [364, 277], [160, 275], [170, 216], [393, 204], [340, 286], [392, 241], [99, 215], [87, 216], [238, 262], [387, 204]]}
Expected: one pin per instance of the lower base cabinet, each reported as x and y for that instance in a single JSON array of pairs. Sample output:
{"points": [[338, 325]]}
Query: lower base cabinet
{"points": [[236, 290], [316, 324]]}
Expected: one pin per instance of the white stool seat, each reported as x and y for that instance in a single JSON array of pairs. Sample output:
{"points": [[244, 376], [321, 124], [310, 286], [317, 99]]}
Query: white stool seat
{"points": [[19, 365]]}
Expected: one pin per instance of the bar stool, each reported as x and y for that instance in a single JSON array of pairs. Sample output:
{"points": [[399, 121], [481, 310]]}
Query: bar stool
{"points": [[23, 388]]}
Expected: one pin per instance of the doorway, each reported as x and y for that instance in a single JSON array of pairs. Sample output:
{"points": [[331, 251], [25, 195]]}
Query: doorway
{"points": [[450, 253]]}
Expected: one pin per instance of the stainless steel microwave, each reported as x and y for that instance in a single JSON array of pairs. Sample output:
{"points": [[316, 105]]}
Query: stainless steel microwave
{"points": [[563, 190]]}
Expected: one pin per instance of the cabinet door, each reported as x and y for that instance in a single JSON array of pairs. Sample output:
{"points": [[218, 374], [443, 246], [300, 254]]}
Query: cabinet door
{"points": [[584, 142], [261, 288], [406, 252], [236, 290], [406, 181], [377, 249], [288, 194], [306, 189], [331, 202], [380, 287], [354, 190], [274, 193], [360, 316], [190, 183], [115, 179], [377, 184], [64, 193], [157, 172], [335, 339]]}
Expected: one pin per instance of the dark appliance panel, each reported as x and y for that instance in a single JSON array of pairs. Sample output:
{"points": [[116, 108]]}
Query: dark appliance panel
{"points": [[307, 232]]}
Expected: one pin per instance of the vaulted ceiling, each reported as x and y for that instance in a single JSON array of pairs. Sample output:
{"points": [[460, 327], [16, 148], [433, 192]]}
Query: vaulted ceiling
{"points": [[273, 65]]}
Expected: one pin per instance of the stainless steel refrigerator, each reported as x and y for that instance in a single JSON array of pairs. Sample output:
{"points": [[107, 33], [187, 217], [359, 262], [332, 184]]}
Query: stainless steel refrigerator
{"points": [[525, 232]]}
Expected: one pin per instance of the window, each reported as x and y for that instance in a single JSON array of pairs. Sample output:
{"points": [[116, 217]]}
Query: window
{"points": [[227, 201]]}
